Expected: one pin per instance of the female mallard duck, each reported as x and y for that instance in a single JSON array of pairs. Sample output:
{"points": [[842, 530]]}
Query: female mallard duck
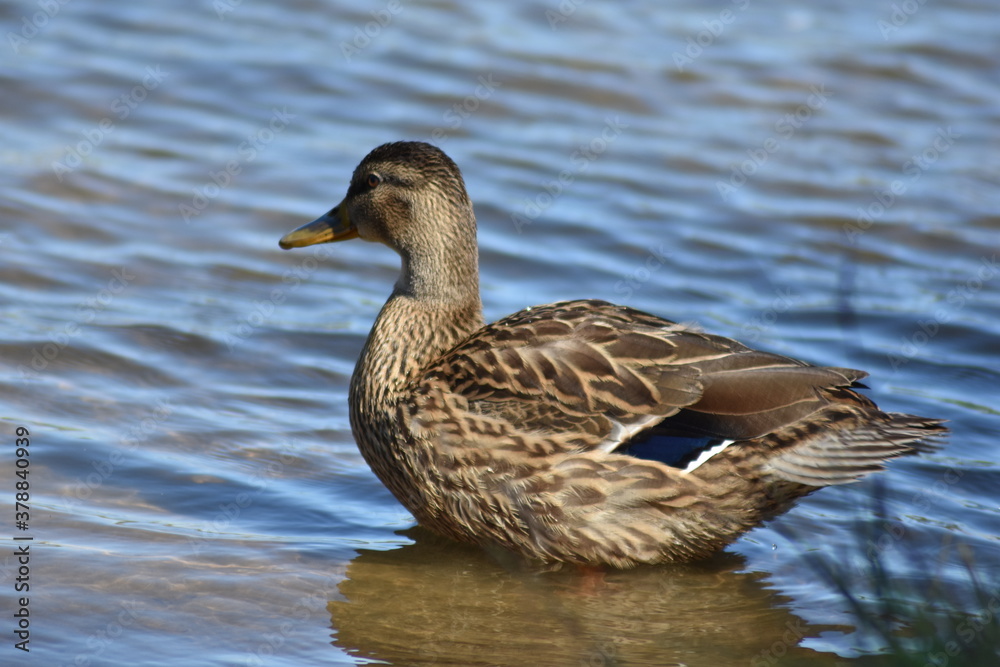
{"points": [[578, 431]]}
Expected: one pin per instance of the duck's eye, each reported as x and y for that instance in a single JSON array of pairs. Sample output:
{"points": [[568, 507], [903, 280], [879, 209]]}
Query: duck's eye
{"points": [[374, 180]]}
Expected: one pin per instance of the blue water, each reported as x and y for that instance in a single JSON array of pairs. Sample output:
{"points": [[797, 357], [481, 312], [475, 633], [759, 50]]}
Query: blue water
{"points": [[819, 181]]}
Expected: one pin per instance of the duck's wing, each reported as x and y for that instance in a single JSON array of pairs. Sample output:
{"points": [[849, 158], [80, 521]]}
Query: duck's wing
{"points": [[592, 376]]}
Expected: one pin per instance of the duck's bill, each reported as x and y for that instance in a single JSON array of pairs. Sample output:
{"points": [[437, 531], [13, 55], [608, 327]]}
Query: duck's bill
{"points": [[334, 226]]}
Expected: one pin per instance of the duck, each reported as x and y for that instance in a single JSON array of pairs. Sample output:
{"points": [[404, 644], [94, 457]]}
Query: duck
{"points": [[578, 432]]}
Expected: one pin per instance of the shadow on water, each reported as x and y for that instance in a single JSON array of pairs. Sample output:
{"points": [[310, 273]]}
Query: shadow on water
{"points": [[437, 603], [915, 602]]}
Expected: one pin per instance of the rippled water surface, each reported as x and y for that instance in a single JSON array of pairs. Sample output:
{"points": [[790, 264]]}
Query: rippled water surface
{"points": [[821, 180]]}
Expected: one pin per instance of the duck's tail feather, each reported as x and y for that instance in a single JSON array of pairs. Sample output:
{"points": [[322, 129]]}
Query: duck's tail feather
{"points": [[842, 444]]}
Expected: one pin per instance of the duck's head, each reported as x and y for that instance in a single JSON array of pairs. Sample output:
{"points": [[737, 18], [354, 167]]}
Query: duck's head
{"points": [[408, 195]]}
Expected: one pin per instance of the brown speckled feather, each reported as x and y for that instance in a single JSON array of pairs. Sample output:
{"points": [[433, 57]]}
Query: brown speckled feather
{"points": [[524, 433]]}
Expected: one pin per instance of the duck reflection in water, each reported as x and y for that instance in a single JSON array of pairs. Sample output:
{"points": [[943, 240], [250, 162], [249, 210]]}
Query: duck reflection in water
{"points": [[436, 603]]}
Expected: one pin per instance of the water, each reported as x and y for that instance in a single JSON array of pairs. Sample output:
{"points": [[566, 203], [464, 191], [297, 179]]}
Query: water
{"points": [[195, 493]]}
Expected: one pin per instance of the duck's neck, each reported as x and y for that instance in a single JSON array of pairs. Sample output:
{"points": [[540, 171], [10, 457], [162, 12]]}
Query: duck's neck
{"points": [[435, 305], [407, 336]]}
